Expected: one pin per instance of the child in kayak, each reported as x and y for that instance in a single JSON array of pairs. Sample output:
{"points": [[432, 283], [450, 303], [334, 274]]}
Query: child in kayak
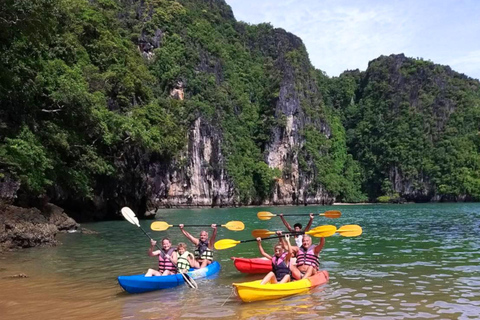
{"points": [[185, 259], [280, 262]]}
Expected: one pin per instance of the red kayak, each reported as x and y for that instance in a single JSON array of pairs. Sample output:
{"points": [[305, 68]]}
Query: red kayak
{"points": [[253, 265]]}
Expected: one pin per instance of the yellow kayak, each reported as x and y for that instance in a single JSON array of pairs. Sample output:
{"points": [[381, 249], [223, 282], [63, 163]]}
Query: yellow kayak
{"points": [[254, 291]]}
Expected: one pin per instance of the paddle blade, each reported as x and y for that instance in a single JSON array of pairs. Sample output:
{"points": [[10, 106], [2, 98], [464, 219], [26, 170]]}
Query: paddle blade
{"points": [[234, 225], [322, 231], [350, 230], [160, 226], [130, 216], [333, 214], [225, 244], [265, 215], [262, 233]]}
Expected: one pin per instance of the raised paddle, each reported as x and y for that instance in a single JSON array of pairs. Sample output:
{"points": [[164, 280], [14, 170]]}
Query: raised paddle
{"points": [[322, 231], [350, 230], [262, 233], [162, 225], [265, 215], [130, 216]]}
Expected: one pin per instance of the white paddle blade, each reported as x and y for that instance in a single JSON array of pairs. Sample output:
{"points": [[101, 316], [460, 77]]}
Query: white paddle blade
{"points": [[130, 216]]}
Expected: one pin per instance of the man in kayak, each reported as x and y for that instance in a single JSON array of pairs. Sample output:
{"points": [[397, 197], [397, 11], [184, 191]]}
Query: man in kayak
{"points": [[297, 227], [166, 256], [307, 258], [203, 247], [280, 261]]}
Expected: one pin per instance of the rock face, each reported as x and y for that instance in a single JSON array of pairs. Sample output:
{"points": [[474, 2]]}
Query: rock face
{"points": [[24, 228]]}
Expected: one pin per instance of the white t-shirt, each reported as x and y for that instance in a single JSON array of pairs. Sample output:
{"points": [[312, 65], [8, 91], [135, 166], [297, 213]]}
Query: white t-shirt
{"points": [[298, 240]]}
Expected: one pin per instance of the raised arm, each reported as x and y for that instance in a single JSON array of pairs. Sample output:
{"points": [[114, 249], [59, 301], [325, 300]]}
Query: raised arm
{"points": [[281, 239], [188, 235], [309, 223], [212, 238], [319, 247], [151, 251], [260, 248], [286, 223], [289, 247]]}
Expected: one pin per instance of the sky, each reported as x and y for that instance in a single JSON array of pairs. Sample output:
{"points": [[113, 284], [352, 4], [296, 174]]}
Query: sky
{"points": [[346, 34]]}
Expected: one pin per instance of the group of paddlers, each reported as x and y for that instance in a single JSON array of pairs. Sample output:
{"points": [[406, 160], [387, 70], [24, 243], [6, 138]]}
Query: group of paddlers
{"points": [[288, 262], [173, 260], [297, 262]]}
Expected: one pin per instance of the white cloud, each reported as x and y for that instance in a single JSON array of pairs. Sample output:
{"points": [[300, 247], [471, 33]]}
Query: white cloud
{"points": [[343, 34]]}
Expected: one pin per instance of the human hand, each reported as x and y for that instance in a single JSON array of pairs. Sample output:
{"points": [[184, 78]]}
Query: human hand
{"points": [[214, 226], [281, 214], [259, 239], [311, 216], [278, 232], [153, 242], [181, 226]]}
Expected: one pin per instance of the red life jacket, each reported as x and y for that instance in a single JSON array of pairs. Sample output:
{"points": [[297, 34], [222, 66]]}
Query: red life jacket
{"points": [[164, 263]]}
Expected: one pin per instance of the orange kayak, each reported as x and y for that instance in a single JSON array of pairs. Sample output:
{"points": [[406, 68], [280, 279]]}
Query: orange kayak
{"points": [[253, 265]]}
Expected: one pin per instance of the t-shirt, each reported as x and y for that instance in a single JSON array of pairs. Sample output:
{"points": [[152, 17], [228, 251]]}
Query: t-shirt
{"points": [[298, 240]]}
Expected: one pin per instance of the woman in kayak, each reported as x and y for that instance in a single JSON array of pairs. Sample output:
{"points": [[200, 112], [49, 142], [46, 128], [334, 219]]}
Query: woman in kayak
{"points": [[297, 227], [203, 247], [280, 261], [166, 258]]}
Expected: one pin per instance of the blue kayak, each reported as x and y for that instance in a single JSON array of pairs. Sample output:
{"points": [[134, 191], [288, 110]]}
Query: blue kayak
{"points": [[139, 283]]}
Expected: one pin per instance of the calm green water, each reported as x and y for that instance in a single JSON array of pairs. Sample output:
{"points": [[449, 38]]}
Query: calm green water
{"points": [[411, 262]]}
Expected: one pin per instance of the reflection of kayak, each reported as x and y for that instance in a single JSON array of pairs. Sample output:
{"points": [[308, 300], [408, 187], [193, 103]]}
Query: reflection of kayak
{"points": [[254, 291], [254, 265], [140, 283]]}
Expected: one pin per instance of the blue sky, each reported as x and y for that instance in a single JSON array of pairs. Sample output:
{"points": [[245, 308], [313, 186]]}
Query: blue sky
{"points": [[347, 34]]}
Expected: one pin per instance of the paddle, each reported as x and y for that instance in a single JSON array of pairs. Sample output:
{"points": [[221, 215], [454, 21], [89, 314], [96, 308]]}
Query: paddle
{"points": [[130, 216], [351, 230], [265, 233], [162, 225], [265, 215], [322, 231]]}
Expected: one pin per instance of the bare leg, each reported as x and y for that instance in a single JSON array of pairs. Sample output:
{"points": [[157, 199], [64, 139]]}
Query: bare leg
{"points": [[152, 272], [296, 274], [269, 278], [167, 272], [309, 272], [285, 279]]}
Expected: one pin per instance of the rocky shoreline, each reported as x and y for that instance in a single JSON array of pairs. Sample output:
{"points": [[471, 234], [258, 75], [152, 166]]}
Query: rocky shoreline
{"points": [[32, 227]]}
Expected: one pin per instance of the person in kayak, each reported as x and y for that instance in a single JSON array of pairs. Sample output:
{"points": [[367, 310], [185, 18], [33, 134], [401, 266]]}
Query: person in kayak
{"points": [[297, 228], [185, 259], [203, 247], [280, 261], [166, 258], [307, 258]]}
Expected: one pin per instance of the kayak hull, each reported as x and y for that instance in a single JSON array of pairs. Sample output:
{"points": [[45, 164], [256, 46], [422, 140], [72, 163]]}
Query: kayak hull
{"points": [[253, 265], [139, 283], [254, 291]]}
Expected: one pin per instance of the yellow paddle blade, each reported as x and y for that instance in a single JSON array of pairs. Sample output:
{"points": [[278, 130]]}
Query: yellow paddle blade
{"points": [[322, 231], [333, 214], [350, 230], [160, 226], [265, 215], [225, 244], [262, 233], [234, 225]]}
